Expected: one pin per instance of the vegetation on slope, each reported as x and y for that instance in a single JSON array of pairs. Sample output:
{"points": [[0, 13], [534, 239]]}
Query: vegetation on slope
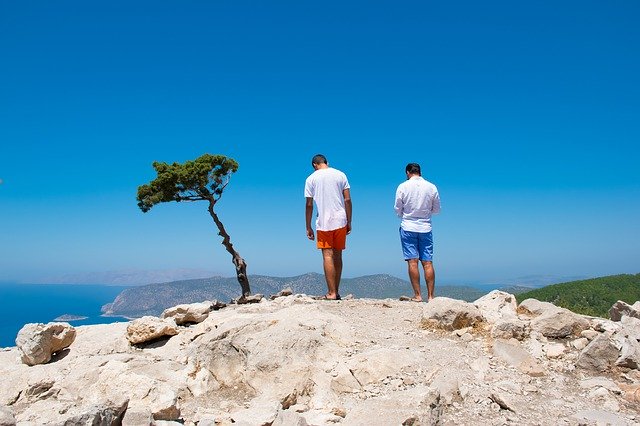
{"points": [[589, 297]]}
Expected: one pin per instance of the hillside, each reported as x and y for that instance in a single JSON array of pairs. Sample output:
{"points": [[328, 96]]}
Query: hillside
{"points": [[299, 361], [152, 299], [589, 297]]}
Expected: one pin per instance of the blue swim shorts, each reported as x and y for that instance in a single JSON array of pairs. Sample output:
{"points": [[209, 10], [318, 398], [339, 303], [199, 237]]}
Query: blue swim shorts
{"points": [[416, 245]]}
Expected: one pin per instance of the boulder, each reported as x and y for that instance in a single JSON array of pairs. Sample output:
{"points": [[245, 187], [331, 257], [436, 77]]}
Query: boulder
{"points": [[106, 413], [559, 323], [599, 355], [629, 354], [37, 342], [534, 307], [630, 327], [149, 328], [507, 328], [6, 417], [192, 313], [450, 314], [497, 305], [620, 309]]}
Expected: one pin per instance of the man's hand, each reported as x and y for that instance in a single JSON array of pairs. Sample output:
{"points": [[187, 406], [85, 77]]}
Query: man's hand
{"points": [[310, 234], [348, 228]]}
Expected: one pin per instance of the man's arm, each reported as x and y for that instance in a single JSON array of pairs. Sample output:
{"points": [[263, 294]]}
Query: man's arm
{"points": [[435, 205], [399, 205], [346, 193], [308, 214]]}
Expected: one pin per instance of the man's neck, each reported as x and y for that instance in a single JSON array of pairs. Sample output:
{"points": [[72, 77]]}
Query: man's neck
{"points": [[322, 166]]}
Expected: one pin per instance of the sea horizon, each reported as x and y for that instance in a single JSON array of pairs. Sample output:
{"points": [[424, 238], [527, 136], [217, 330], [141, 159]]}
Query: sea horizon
{"points": [[43, 303]]}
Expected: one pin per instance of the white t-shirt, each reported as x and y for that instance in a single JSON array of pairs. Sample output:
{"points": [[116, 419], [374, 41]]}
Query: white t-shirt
{"points": [[326, 187], [416, 200]]}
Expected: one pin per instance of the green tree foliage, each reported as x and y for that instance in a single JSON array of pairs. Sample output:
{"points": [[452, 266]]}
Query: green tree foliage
{"points": [[203, 179], [589, 297]]}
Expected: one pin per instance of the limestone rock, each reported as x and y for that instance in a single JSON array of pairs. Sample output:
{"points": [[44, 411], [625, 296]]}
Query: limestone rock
{"points": [[289, 418], [150, 328], [512, 352], [629, 354], [555, 350], [6, 417], [534, 307], [559, 323], [630, 327], [620, 309], [282, 293], [450, 314], [599, 355], [589, 334], [38, 342], [580, 343], [106, 413], [189, 313], [497, 305], [507, 328]]}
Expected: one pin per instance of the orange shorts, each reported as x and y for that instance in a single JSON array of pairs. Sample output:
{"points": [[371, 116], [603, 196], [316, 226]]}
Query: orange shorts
{"points": [[334, 239]]}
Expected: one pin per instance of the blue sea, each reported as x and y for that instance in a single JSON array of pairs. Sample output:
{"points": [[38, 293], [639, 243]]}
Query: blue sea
{"points": [[25, 303]]}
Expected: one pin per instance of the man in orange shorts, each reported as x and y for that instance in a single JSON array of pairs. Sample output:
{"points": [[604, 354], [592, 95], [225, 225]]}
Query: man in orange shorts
{"points": [[329, 188]]}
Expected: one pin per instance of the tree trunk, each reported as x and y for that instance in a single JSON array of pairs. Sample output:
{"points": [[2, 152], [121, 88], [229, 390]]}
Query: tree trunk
{"points": [[238, 261]]}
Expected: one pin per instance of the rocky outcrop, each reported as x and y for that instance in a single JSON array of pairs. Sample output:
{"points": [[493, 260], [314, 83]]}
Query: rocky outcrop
{"points": [[621, 309], [38, 342], [450, 314], [294, 360], [192, 313], [147, 329], [552, 321]]}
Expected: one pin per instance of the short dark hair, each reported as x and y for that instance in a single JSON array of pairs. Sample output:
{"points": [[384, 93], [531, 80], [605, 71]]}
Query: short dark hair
{"points": [[319, 159], [413, 169]]}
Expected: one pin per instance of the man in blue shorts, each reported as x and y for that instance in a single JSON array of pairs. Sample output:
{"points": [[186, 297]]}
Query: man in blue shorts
{"points": [[416, 200]]}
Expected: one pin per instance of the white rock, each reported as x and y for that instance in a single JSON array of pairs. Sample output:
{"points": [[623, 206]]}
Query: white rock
{"points": [[630, 327], [38, 342], [6, 417], [559, 323], [189, 313], [149, 328], [589, 334], [513, 354], [509, 328], [555, 350], [600, 417], [629, 354], [450, 314], [497, 305], [599, 355], [534, 307], [580, 343]]}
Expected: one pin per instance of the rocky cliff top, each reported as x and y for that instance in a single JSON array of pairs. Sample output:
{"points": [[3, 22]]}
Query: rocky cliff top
{"points": [[299, 361]]}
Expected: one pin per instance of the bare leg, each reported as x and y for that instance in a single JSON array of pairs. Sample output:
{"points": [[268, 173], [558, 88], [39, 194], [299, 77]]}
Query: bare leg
{"points": [[414, 277], [337, 264], [330, 272], [430, 278]]}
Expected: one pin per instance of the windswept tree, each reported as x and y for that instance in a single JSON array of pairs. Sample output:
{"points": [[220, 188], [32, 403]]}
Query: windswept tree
{"points": [[203, 179]]}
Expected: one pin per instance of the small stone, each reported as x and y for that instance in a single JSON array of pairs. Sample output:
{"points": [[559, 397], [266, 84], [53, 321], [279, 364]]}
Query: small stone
{"points": [[580, 343], [555, 350], [589, 334]]}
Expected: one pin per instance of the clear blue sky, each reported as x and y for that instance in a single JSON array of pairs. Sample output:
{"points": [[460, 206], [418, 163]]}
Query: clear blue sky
{"points": [[526, 115]]}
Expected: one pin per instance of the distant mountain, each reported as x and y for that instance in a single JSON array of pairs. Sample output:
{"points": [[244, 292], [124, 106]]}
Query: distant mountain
{"points": [[126, 277], [589, 297], [154, 298]]}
